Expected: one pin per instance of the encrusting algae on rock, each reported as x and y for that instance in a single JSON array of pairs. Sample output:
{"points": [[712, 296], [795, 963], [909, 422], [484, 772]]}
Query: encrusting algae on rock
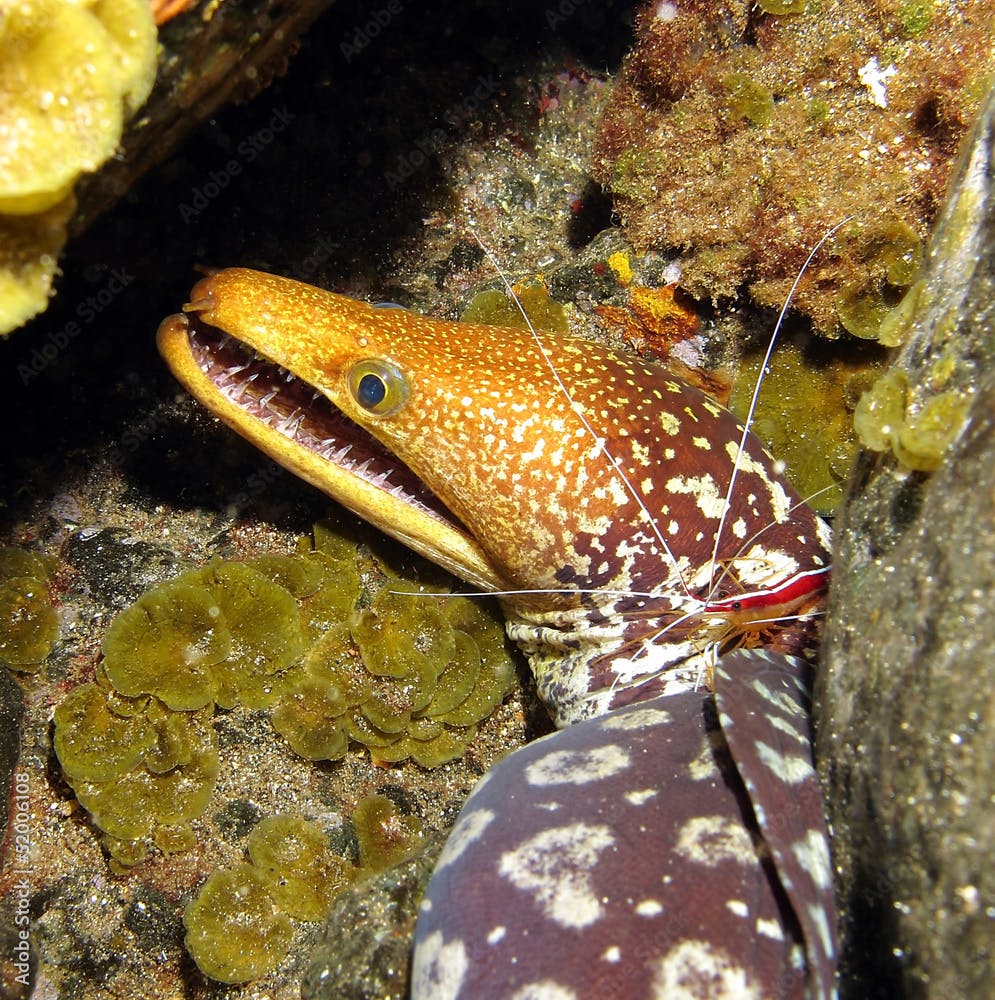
{"points": [[29, 624], [738, 134], [805, 415], [70, 74], [407, 676]]}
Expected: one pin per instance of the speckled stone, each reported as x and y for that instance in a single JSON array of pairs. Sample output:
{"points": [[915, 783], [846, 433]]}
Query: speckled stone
{"points": [[907, 706], [365, 950], [11, 712]]}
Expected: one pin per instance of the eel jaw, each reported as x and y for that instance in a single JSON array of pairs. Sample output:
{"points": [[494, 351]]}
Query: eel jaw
{"points": [[300, 429]]}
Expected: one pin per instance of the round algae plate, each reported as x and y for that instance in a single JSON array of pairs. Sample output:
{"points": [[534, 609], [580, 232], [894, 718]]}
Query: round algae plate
{"points": [[234, 930]]}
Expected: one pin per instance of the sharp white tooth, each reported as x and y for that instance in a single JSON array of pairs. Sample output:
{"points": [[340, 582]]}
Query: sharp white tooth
{"points": [[290, 423], [315, 396], [265, 401], [341, 453]]}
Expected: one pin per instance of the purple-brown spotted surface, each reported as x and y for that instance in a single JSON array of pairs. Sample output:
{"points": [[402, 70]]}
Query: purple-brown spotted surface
{"points": [[662, 577], [622, 858]]}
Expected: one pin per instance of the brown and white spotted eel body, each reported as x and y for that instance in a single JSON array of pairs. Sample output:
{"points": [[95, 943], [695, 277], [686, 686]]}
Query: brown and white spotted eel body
{"points": [[669, 841]]}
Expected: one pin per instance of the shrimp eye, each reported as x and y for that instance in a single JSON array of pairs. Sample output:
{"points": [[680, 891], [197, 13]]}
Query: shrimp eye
{"points": [[379, 387]]}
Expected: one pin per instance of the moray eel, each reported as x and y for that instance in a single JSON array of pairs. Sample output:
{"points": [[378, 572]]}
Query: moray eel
{"points": [[668, 840]]}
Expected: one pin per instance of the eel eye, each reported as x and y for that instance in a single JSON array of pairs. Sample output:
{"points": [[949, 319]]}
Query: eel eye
{"points": [[378, 386]]}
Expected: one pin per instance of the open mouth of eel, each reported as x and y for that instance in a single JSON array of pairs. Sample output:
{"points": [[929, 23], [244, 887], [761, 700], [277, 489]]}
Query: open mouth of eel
{"points": [[297, 426]]}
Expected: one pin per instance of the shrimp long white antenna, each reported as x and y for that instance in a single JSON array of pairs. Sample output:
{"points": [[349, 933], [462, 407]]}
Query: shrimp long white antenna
{"points": [[748, 422], [578, 410]]}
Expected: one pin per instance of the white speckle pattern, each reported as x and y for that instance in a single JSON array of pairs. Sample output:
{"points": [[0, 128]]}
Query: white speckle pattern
{"points": [[813, 855], [737, 907], [555, 868], [709, 840], [641, 797], [636, 719], [497, 934], [817, 914], [547, 989], [649, 908], [577, 767], [438, 969], [612, 954], [770, 929], [703, 767], [471, 827], [694, 969], [788, 767]]}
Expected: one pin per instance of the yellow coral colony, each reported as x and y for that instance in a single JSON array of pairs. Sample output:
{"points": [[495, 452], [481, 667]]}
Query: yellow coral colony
{"points": [[70, 73]]}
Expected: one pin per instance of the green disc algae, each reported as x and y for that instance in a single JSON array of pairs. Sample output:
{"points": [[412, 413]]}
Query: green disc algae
{"points": [[299, 868], [238, 925], [165, 643], [29, 625], [321, 638], [235, 932]]}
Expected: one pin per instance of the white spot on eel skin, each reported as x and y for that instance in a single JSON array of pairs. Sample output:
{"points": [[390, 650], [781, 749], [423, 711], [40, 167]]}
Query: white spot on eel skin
{"points": [[813, 855], [636, 719], [789, 768], [470, 828], [554, 867], [547, 989], [649, 908], [704, 766], [577, 767], [497, 934], [708, 840], [738, 907], [439, 969], [639, 798], [770, 928], [695, 969], [612, 954]]}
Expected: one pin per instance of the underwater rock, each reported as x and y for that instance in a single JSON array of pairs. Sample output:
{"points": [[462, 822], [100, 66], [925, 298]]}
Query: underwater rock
{"points": [[739, 135], [11, 715], [371, 961], [905, 692]]}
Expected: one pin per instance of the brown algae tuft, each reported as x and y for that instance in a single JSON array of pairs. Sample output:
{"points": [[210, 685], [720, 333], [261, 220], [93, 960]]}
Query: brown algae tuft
{"points": [[739, 134], [386, 837]]}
